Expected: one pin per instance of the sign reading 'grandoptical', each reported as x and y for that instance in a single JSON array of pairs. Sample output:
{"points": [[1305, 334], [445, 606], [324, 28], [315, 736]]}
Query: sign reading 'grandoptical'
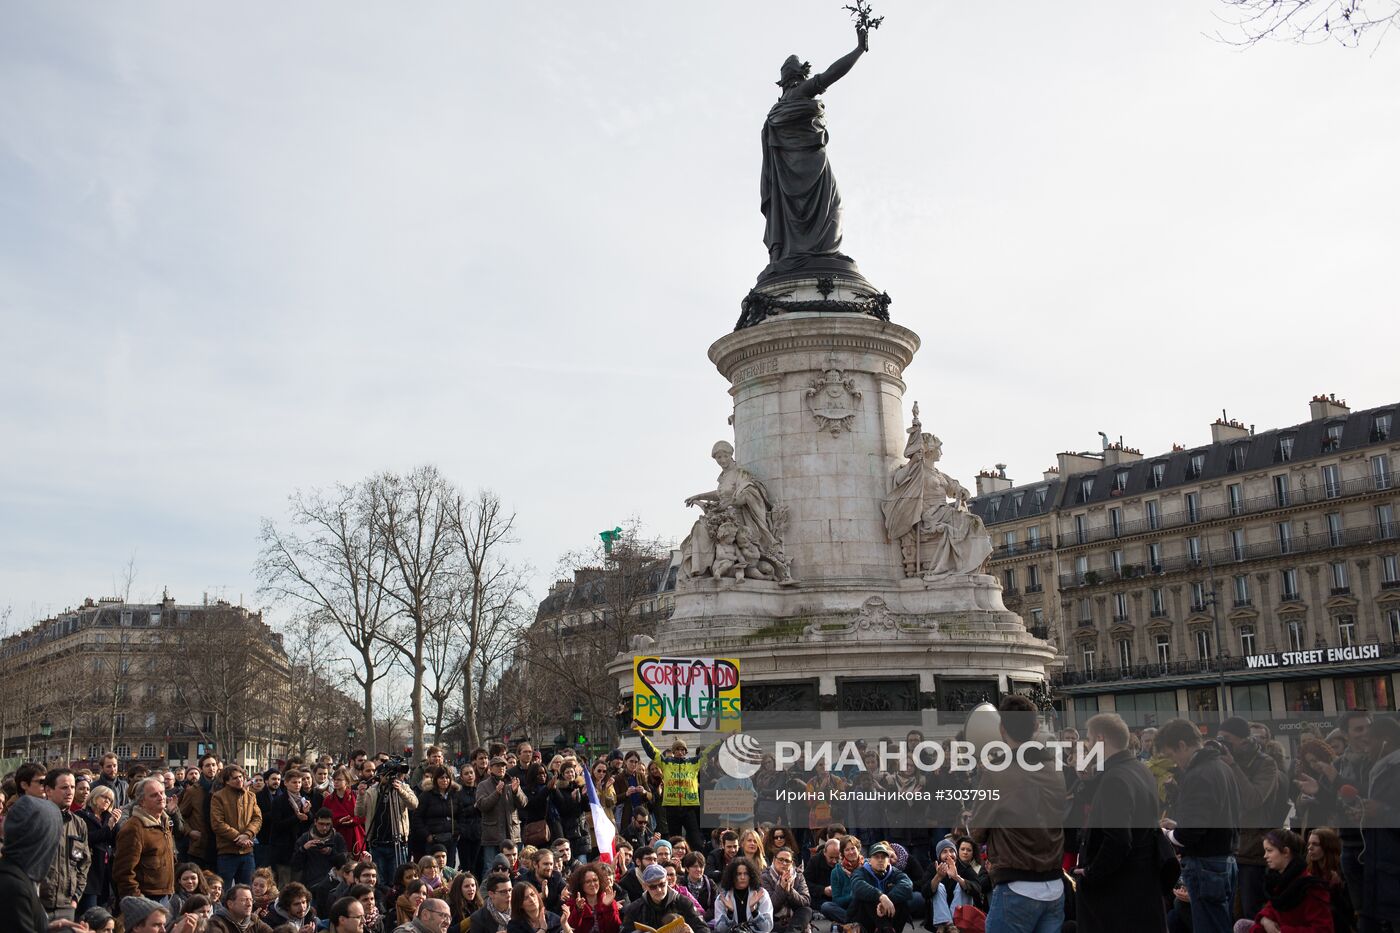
{"points": [[1315, 656]]}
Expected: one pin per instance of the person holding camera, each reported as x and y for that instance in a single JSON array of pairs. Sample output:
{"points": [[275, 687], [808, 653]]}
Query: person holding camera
{"points": [[319, 850], [384, 806]]}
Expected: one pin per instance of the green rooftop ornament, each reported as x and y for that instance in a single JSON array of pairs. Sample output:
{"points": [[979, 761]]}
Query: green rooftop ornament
{"points": [[610, 538]]}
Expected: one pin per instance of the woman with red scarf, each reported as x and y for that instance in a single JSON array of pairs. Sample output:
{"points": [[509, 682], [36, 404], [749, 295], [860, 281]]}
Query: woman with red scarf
{"points": [[341, 802], [1296, 899]]}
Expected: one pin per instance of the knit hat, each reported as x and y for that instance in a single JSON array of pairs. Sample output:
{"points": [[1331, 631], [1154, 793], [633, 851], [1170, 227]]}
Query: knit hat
{"points": [[653, 874], [1236, 726], [901, 855], [135, 910], [944, 844], [660, 844], [33, 833]]}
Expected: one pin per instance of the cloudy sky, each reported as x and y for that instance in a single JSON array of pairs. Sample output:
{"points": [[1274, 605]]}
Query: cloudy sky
{"points": [[246, 249]]}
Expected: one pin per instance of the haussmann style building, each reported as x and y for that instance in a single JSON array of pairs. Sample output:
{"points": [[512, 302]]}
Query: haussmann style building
{"points": [[1256, 574]]}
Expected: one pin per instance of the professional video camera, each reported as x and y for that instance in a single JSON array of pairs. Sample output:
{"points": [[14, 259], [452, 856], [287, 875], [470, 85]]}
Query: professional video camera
{"points": [[393, 768]]}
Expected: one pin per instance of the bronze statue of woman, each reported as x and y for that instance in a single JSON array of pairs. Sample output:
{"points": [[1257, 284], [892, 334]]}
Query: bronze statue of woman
{"points": [[798, 191]]}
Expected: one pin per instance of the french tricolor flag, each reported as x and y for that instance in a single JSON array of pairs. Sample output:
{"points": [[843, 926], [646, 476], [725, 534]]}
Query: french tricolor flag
{"points": [[603, 830]]}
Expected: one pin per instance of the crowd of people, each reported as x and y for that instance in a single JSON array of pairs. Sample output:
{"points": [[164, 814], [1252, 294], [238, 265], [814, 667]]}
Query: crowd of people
{"points": [[1178, 830]]}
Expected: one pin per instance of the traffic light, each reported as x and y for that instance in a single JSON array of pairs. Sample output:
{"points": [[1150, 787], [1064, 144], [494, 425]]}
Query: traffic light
{"points": [[580, 738]]}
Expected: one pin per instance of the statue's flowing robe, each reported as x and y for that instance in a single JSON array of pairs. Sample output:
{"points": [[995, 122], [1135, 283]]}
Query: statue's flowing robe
{"points": [[797, 190], [751, 503], [957, 541]]}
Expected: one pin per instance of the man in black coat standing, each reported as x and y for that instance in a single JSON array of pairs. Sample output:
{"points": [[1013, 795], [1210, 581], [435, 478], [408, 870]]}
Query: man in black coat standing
{"points": [[1118, 885]]}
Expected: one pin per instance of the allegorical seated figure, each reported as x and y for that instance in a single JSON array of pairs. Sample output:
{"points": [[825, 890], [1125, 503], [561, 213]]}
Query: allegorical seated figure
{"points": [[927, 514], [738, 535]]}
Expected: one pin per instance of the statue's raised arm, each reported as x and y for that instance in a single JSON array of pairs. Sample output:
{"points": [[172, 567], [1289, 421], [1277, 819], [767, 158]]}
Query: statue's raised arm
{"points": [[838, 69]]}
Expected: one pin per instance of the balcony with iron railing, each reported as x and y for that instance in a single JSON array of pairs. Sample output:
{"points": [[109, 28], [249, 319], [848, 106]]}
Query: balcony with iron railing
{"points": [[1003, 551], [1322, 492], [1227, 556]]}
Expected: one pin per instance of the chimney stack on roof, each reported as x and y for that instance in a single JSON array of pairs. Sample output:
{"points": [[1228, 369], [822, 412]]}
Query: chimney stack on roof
{"points": [[989, 481], [1227, 429], [1327, 406]]}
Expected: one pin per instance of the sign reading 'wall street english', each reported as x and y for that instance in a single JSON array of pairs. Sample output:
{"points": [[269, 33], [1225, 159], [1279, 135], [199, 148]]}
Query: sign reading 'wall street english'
{"points": [[1315, 656]]}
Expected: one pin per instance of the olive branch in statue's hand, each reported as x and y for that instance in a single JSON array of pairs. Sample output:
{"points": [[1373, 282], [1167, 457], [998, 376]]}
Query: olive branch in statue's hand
{"points": [[860, 12]]}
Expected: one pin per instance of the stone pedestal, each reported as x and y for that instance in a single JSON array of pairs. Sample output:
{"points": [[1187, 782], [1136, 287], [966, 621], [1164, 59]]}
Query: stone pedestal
{"points": [[819, 419]]}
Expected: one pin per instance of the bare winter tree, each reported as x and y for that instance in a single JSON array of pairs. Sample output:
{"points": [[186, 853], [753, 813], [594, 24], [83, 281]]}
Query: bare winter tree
{"points": [[331, 564], [229, 667], [414, 516], [318, 709], [1350, 22], [491, 599], [615, 596]]}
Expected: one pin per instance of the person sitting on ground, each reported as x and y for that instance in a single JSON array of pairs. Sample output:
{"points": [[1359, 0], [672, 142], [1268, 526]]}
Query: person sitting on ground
{"points": [[880, 893], [528, 914], [1294, 898], [837, 906], [235, 914], [293, 906], [742, 901], [699, 884], [792, 904], [592, 907], [657, 903], [494, 916]]}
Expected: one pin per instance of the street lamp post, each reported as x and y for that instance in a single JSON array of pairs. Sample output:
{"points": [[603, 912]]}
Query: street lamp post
{"points": [[45, 733], [349, 741]]}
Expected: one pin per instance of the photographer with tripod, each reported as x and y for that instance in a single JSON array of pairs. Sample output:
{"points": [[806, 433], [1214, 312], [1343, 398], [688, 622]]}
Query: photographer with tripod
{"points": [[384, 806]]}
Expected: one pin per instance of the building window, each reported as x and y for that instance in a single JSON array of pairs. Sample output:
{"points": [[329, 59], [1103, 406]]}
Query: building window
{"points": [[1380, 471], [1120, 481], [1237, 543], [1250, 699], [94, 752], [1346, 631], [1120, 607], [1238, 453], [1086, 489], [1369, 693], [1037, 618], [1385, 521], [1125, 653], [1285, 537], [1193, 506], [1087, 655], [1293, 628], [155, 620], [1081, 530], [1154, 557], [1115, 521], [1302, 696], [1334, 528], [1009, 539], [1281, 490], [1331, 481], [1390, 569], [1164, 649], [122, 751], [126, 618], [120, 721], [1115, 560], [1284, 453], [1198, 597], [1236, 496], [1193, 549], [1203, 645], [1016, 501], [1340, 578], [1086, 615], [1010, 574], [1040, 493], [1081, 568], [1033, 578], [1334, 436], [1033, 537], [1196, 465], [1159, 602], [1392, 621], [148, 750], [1380, 427], [993, 508], [1288, 583], [1242, 589], [1159, 473], [1154, 514], [1246, 640]]}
